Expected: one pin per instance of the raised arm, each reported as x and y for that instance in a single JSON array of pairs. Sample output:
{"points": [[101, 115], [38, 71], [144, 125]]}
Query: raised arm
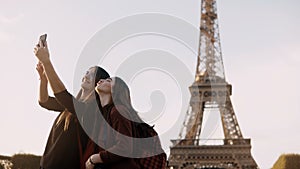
{"points": [[42, 53], [61, 94], [43, 91], [45, 101]]}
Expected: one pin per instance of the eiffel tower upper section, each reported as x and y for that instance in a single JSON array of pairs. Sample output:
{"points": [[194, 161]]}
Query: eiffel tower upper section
{"points": [[210, 87], [209, 53], [210, 93]]}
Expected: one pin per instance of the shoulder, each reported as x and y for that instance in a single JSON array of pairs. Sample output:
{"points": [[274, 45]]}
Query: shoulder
{"points": [[62, 93], [120, 111]]}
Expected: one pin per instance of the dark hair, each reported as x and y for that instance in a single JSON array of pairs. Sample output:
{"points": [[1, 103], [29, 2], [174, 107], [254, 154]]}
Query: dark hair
{"points": [[121, 96], [100, 74]]}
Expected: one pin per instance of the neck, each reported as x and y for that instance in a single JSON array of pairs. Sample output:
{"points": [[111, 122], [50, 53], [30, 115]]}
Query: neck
{"points": [[105, 99], [85, 94]]}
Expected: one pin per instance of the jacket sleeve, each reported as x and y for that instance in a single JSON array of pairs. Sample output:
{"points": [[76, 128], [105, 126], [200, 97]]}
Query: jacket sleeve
{"points": [[124, 145], [69, 102], [52, 104]]}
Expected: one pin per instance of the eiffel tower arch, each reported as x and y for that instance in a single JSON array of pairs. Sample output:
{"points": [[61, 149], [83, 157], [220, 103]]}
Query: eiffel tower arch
{"points": [[210, 91]]}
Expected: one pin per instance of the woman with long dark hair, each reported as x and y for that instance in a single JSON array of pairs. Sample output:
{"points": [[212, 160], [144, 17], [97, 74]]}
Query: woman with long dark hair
{"points": [[123, 139], [114, 147]]}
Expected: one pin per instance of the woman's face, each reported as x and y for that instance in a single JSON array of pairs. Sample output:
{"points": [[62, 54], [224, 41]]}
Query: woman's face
{"points": [[105, 85], [88, 80]]}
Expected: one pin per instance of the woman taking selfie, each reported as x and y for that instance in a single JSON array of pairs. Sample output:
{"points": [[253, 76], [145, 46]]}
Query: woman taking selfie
{"points": [[67, 140]]}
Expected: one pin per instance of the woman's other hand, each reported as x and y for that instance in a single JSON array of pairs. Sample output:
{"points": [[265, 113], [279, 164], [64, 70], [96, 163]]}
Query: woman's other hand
{"points": [[89, 165], [91, 162], [41, 52], [40, 69]]}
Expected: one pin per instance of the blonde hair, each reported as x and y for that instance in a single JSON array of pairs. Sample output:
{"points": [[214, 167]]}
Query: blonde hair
{"points": [[66, 115]]}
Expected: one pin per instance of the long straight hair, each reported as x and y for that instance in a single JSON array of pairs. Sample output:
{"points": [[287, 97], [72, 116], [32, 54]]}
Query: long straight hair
{"points": [[121, 96], [66, 115]]}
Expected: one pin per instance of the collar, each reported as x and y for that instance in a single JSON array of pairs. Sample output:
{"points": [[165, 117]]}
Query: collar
{"points": [[107, 107]]}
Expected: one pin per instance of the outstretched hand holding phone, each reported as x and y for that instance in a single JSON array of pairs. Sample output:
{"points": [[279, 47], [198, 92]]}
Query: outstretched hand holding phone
{"points": [[42, 53], [41, 50]]}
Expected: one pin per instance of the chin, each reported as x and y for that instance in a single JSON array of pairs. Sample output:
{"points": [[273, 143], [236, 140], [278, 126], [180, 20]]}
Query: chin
{"points": [[86, 86]]}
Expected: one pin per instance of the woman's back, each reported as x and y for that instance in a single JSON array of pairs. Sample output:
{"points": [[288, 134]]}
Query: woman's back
{"points": [[62, 148]]}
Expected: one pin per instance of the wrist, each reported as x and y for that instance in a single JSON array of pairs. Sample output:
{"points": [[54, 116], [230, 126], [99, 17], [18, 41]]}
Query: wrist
{"points": [[45, 61], [44, 79]]}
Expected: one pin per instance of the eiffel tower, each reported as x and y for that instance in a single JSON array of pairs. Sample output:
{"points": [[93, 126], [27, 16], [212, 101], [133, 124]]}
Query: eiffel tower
{"points": [[210, 93]]}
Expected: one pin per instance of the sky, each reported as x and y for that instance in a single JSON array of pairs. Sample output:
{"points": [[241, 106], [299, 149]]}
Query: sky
{"points": [[260, 48]]}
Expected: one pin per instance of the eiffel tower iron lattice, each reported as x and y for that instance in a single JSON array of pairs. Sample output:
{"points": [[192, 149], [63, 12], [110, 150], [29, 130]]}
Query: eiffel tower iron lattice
{"points": [[210, 91]]}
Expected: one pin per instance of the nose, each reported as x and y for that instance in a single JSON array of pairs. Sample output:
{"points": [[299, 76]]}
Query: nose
{"points": [[86, 76]]}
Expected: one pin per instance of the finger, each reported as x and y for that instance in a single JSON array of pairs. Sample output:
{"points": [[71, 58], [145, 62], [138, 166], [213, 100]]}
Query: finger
{"points": [[41, 44]]}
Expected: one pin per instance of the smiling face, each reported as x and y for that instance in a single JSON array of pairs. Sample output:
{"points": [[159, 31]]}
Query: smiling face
{"points": [[105, 85], [88, 80]]}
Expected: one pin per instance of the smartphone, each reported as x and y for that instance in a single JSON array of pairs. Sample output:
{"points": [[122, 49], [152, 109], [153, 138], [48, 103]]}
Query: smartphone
{"points": [[43, 39]]}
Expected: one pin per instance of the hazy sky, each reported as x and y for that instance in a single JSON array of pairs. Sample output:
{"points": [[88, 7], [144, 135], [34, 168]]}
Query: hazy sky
{"points": [[260, 46]]}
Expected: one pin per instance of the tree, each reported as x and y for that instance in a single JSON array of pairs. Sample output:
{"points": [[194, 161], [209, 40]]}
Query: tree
{"points": [[25, 161], [287, 161]]}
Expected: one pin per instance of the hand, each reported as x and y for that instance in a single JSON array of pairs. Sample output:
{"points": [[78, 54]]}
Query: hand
{"points": [[89, 165], [40, 69], [42, 52], [95, 158]]}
